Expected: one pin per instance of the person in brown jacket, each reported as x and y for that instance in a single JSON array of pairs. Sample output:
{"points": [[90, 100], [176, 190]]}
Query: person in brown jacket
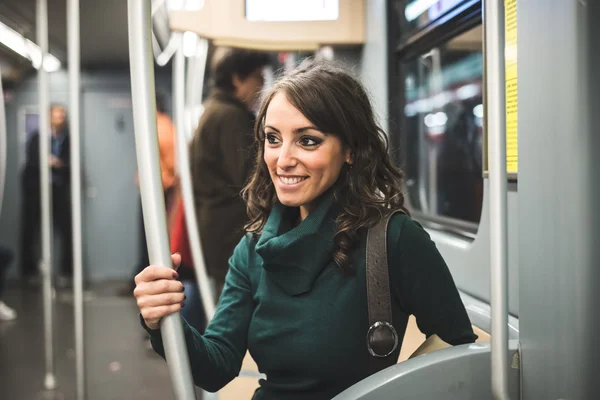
{"points": [[220, 156]]}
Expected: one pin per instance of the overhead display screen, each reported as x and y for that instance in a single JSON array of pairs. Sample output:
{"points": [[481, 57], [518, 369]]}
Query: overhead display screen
{"points": [[292, 10]]}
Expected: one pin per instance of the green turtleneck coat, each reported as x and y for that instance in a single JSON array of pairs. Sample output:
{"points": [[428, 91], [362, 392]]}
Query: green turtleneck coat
{"points": [[303, 320]]}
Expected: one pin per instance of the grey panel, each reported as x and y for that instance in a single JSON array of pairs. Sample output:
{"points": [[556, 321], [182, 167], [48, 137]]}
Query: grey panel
{"points": [[559, 103], [469, 261], [456, 373], [373, 60], [111, 198], [480, 314]]}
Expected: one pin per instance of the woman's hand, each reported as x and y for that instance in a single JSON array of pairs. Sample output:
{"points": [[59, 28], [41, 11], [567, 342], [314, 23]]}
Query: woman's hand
{"points": [[158, 293]]}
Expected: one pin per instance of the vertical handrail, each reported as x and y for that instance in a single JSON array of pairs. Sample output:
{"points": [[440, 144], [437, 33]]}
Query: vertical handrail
{"points": [[46, 198], [153, 205], [496, 133], [183, 158], [74, 103], [3, 142]]}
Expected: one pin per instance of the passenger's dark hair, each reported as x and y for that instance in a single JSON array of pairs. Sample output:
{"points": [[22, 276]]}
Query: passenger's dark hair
{"points": [[161, 105], [337, 103], [228, 62]]}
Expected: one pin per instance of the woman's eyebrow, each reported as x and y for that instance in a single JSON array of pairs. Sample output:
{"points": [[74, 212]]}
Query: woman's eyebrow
{"points": [[297, 130]]}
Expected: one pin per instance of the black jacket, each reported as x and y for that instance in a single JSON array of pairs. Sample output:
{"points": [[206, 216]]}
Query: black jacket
{"points": [[31, 172]]}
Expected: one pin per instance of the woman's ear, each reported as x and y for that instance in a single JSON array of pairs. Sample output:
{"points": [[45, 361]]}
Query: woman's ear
{"points": [[349, 158]]}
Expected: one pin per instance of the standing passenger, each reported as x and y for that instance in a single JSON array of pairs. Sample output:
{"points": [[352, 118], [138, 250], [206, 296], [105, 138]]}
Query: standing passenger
{"points": [[221, 159], [166, 147], [60, 162], [295, 294]]}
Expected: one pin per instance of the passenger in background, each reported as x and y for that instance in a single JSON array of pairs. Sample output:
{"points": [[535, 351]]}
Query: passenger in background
{"points": [[221, 158], [166, 146], [6, 256], [295, 293], [61, 198]]}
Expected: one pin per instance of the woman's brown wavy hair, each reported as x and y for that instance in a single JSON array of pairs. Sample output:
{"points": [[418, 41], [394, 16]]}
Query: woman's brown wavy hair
{"points": [[336, 103]]}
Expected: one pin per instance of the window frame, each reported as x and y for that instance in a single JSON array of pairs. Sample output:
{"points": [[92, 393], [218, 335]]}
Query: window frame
{"points": [[460, 19]]}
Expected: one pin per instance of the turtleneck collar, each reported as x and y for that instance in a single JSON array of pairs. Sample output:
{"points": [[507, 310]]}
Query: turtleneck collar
{"points": [[294, 256]]}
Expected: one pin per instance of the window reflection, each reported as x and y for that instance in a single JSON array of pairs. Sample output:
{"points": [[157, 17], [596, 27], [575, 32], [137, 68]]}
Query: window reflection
{"points": [[443, 119]]}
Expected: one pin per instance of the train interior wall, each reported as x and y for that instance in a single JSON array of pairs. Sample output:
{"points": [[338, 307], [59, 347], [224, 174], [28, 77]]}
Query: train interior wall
{"points": [[110, 198]]}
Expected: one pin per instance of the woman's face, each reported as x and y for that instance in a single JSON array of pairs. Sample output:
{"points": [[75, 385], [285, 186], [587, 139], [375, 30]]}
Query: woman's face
{"points": [[303, 162]]}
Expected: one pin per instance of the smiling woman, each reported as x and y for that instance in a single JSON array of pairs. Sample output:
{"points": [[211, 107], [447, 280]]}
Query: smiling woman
{"points": [[317, 123], [303, 161], [296, 287]]}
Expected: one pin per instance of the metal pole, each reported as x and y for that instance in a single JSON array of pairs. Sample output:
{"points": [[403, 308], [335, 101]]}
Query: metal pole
{"points": [[146, 137], [74, 100], [2, 144], [496, 126], [186, 183], [46, 198]]}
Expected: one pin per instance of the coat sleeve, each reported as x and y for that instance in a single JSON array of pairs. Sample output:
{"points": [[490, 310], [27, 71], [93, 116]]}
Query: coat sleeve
{"points": [[422, 282], [216, 356]]}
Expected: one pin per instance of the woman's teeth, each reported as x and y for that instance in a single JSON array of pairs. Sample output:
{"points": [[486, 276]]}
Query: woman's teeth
{"points": [[291, 180]]}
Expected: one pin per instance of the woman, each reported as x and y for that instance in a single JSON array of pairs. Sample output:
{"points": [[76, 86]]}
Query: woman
{"points": [[295, 293]]}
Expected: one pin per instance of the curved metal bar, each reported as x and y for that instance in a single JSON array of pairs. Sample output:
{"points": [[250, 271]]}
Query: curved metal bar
{"points": [[496, 128], [74, 124], [46, 199], [183, 158], [2, 143], [146, 137], [453, 373]]}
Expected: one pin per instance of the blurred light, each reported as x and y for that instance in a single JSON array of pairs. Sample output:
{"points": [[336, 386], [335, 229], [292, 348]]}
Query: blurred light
{"points": [[190, 43], [436, 120], [478, 111], [27, 49], [416, 8], [326, 53], [441, 99], [441, 118], [430, 120], [194, 5], [467, 91], [191, 5], [409, 110], [175, 4]]}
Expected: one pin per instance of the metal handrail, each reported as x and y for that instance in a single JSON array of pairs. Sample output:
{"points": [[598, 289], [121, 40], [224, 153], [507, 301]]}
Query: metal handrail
{"points": [[496, 134], [153, 206], [46, 199], [73, 37], [2, 143], [183, 159]]}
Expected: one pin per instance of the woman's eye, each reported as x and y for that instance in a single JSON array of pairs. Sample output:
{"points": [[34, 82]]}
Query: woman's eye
{"points": [[271, 139], [309, 141]]}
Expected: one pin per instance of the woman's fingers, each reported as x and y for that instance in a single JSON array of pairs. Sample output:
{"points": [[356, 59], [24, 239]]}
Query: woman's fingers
{"points": [[157, 287], [159, 300], [155, 272], [152, 315]]}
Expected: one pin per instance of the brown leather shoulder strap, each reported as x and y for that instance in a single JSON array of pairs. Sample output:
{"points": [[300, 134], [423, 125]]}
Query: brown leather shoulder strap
{"points": [[382, 339]]}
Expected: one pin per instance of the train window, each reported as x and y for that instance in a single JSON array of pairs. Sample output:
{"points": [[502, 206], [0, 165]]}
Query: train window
{"points": [[414, 15], [442, 130]]}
